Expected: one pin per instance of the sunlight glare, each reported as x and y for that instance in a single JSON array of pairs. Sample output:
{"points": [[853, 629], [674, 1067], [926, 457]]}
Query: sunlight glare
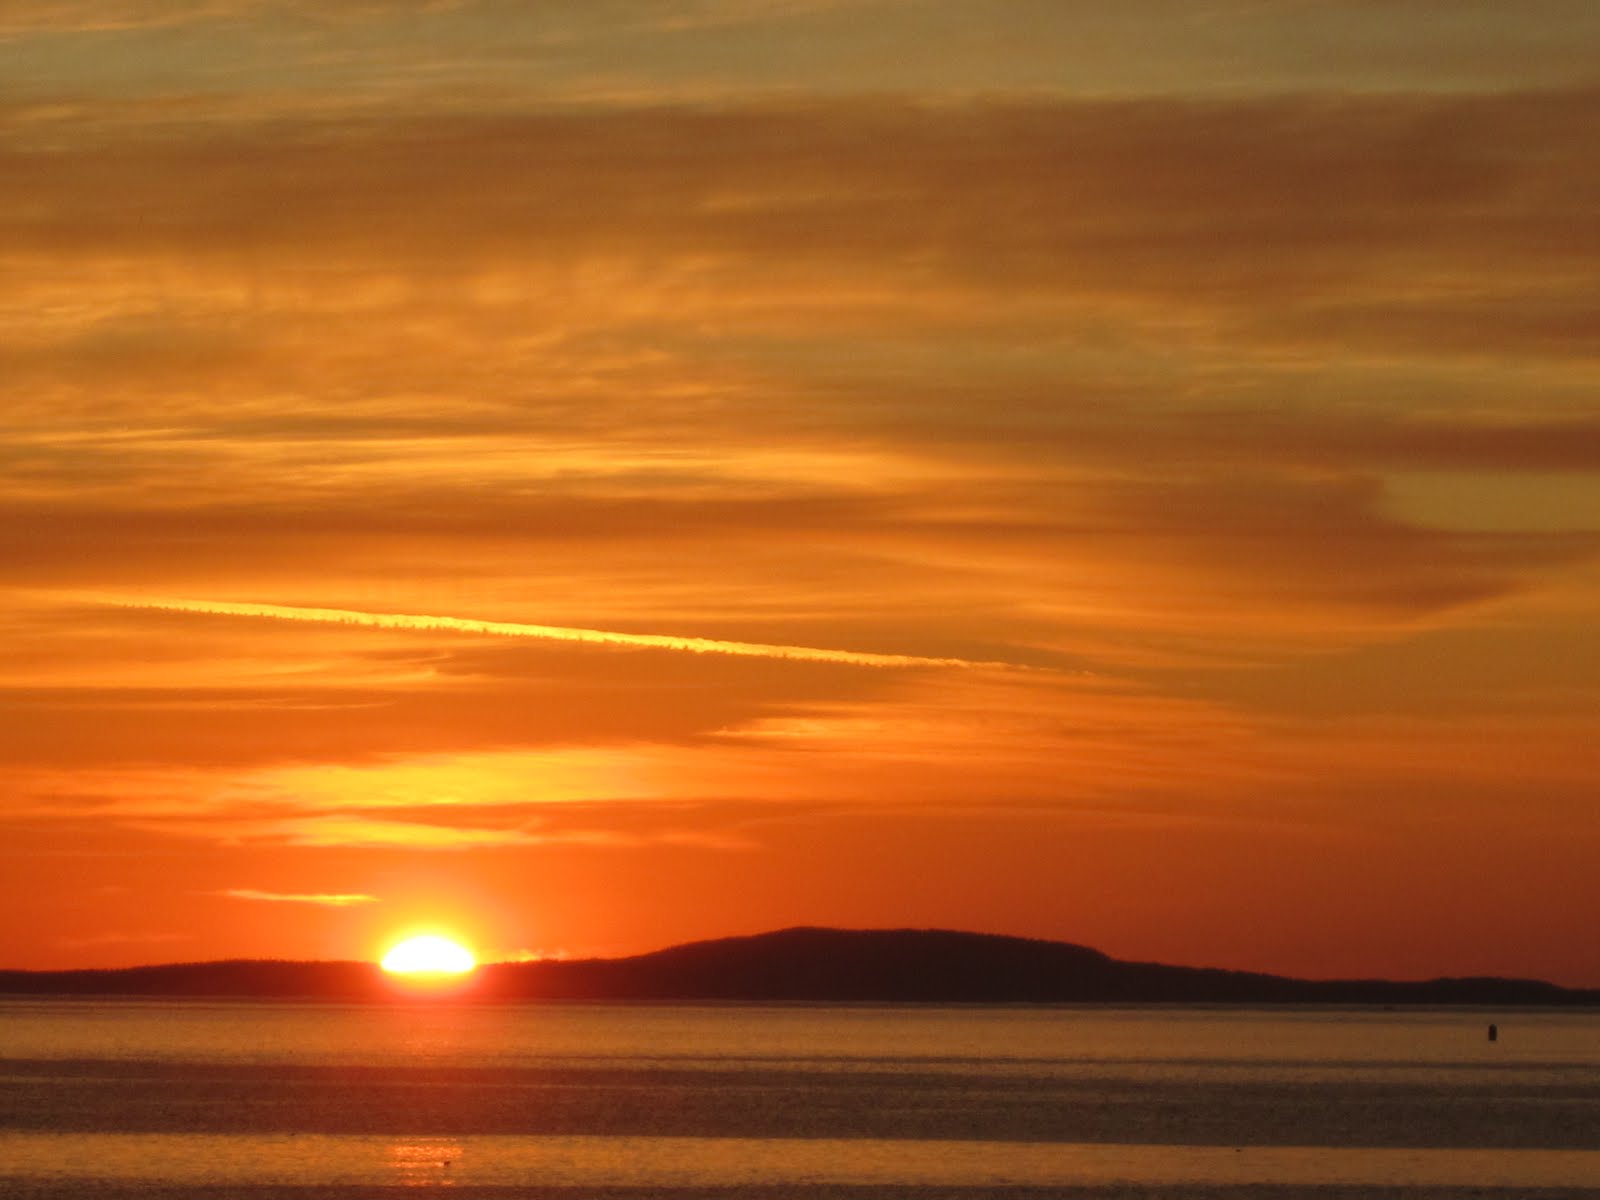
{"points": [[429, 955]]}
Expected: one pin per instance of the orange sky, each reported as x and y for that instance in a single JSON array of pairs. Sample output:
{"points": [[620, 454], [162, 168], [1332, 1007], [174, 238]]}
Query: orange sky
{"points": [[587, 476]]}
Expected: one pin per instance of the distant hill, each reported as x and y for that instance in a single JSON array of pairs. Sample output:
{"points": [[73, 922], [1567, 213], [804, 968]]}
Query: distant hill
{"points": [[809, 964]]}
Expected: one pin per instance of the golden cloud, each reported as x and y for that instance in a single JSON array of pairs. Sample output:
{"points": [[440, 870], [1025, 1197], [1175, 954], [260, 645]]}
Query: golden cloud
{"points": [[324, 899]]}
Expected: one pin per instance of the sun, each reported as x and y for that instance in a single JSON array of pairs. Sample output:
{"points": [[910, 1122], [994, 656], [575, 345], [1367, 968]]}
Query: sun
{"points": [[429, 955]]}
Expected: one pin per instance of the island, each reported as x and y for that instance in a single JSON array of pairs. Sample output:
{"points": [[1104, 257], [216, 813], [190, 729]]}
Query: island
{"points": [[808, 965]]}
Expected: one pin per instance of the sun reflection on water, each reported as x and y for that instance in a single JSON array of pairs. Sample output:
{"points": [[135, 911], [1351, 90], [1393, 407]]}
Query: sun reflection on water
{"points": [[425, 1162]]}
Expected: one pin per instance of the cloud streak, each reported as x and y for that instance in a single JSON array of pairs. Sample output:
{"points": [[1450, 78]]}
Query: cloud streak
{"points": [[556, 633], [327, 900]]}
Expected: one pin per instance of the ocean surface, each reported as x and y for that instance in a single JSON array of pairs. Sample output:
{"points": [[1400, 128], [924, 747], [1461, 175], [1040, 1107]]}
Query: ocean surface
{"points": [[272, 1101]]}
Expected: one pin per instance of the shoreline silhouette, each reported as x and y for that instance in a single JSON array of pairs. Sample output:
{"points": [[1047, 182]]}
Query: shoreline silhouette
{"points": [[805, 964]]}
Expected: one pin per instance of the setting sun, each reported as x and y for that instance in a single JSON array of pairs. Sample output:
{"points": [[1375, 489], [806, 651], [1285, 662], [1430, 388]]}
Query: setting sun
{"points": [[429, 955]]}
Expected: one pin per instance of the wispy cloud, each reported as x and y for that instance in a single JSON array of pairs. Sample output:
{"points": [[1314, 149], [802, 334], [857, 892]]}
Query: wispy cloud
{"points": [[328, 900], [340, 830], [556, 633], [355, 831], [89, 941]]}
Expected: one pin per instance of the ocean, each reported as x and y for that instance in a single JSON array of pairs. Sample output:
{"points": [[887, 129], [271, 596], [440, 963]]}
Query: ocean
{"points": [[273, 1101]]}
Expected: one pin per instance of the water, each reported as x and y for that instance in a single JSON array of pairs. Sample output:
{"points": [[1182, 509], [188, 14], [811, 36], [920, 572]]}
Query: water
{"points": [[174, 1100]]}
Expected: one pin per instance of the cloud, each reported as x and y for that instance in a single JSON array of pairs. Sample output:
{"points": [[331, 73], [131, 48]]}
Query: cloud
{"points": [[90, 941], [1355, 203], [999, 743], [24, 17], [334, 616], [360, 831], [463, 52], [341, 830], [1146, 383], [31, 17], [82, 16], [333, 900]]}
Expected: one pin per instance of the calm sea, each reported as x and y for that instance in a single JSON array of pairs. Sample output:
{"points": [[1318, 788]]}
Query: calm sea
{"points": [[284, 1102]]}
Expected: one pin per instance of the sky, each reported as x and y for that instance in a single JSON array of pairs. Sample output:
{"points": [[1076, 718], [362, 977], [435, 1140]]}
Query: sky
{"points": [[587, 476]]}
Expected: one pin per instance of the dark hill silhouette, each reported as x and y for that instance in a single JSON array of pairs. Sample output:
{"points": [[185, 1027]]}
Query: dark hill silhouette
{"points": [[261, 978], [810, 964]]}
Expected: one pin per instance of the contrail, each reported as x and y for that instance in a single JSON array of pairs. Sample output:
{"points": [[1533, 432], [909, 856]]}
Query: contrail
{"points": [[555, 633]]}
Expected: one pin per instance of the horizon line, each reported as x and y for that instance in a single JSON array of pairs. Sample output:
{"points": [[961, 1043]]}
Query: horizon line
{"points": [[1583, 989]]}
